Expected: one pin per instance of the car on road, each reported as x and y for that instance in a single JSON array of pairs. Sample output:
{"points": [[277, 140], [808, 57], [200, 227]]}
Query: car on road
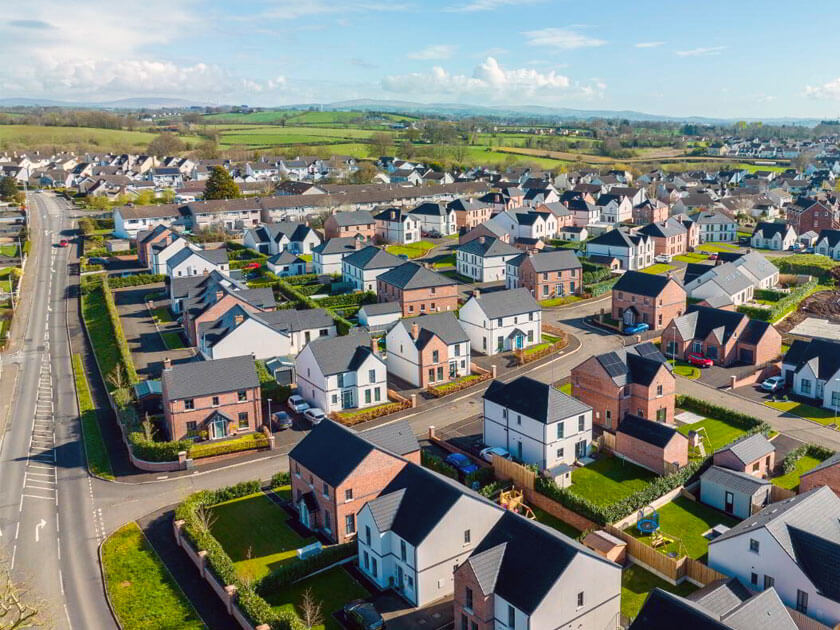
{"points": [[663, 258], [461, 463], [64, 243], [487, 453], [314, 415], [713, 256], [773, 384], [402, 256], [281, 420], [695, 358], [634, 329], [297, 404], [362, 615]]}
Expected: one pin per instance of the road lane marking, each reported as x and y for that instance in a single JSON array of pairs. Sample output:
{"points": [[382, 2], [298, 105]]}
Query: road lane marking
{"points": [[38, 527], [34, 496]]}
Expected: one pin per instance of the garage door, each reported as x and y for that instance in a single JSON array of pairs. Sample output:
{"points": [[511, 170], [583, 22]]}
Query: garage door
{"points": [[746, 356]]}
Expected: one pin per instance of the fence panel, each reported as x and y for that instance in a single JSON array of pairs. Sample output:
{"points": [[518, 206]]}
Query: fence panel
{"points": [[507, 470]]}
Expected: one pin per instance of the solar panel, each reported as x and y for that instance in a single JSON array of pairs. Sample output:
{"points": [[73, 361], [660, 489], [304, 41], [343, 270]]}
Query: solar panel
{"points": [[613, 365]]}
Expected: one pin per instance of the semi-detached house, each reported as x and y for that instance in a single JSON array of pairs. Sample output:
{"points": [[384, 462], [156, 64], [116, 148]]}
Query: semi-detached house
{"points": [[361, 268], [546, 274], [828, 244], [428, 350], [417, 289], [396, 225], [484, 259], [633, 251]]}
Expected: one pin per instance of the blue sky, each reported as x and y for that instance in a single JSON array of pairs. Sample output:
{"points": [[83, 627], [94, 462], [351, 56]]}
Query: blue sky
{"points": [[730, 59]]}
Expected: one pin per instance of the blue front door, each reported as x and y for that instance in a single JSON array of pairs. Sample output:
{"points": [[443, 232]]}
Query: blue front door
{"points": [[520, 341]]}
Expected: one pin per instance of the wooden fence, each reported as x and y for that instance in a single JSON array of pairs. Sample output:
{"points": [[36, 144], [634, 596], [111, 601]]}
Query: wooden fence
{"points": [[506, 470], [777, 493]]}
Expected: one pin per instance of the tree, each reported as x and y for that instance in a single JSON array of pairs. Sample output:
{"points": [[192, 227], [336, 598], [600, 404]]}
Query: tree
{"points": [[168, 195], [8, 188], [363, 174], [207, 150], [381, 143], [19, 607], [220, 185], [310, 610], [166, 143]]}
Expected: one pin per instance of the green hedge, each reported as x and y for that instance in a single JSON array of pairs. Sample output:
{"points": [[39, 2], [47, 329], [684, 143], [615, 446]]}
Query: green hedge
{"points": [[305, 278], [770, 295], [119, 335], [814, 450], [136, 280], [284, 575], [243, 443], [600, 288], [807, 264], [269, 387], [783, 306], [594, 273], [433, 462], [152, 451], [347, 299], [710, 410], [282, 478]]}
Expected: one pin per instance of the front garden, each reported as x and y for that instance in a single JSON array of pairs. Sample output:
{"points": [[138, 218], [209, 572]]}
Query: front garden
{"points": [[411, 250], [825, 417]]}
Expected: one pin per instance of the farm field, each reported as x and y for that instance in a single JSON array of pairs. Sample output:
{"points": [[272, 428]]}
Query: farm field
{"points": [[32, 135]]}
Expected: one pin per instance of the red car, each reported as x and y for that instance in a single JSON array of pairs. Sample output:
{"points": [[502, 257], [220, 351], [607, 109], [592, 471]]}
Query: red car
{"points": [[63, 243], [699, 360], [713, 256], [252, 266]]}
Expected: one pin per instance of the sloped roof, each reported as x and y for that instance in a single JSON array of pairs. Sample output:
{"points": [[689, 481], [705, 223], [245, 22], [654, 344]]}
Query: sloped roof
{"points": [[410, 275], [750, 448], [347, 219], [535, 399], [823, 356], [557, 260], [734, 480], [204, 378], [488, 247], [443, 325], [507, 303], [395, 437], [768, 230], [655, 433], [641, 283], [338, 245], [336, 355], [700, 321], [634, 364], [371, 257]]}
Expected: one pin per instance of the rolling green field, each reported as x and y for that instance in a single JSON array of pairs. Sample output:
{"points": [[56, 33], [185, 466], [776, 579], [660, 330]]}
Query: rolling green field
{"points": [[33, 135]]}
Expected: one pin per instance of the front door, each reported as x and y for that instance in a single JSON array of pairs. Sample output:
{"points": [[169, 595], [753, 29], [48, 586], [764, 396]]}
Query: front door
{"points": [[453, 369], [629, 317], [729, 503], [400, 578], [519, 451], [347, 399], [304, 513], [580, 449], [520, 341], [217, 428]]}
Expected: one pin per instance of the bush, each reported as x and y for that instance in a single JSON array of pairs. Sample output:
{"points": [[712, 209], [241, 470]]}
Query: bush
{"points": [[783, 306], [285, 574], [282, 478], [742, 421], [601, 287], [433, 462], [807, 264], [269, 387], [152, 451], [483, 476], [244, 443], [119, 335], [348, 299], [492, 488], [594, 272], [136, 280], [814, 450], [350, 418], [302, 279], [769, 294]]}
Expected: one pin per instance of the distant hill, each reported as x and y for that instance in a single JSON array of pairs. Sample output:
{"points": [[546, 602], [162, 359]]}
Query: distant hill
{"points": [[161, 102]]}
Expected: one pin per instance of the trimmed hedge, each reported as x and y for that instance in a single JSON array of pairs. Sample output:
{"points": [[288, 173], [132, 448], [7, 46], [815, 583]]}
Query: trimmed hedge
{"points": [[709, 410], [814, 450], [286, 574], [305, 302], [136, 280], [269, 387], [600, 288], [783, 306], [119, 335], [594, 273], [305, 278], [348, 299], [433, 462], [769, 294], [243, 443], [152, 451]]}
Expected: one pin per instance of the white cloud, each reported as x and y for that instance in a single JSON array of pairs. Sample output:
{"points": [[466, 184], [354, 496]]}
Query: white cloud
{"points": [[491, 81], [438, 51], [488, 5], [649, 44], [829, 90], [701, 52], [562, 38]]}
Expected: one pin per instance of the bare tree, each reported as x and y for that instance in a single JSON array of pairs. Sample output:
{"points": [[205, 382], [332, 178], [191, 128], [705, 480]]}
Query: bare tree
{"points": [[117, 377], [310, 610], [205, 519], [19, 607]]}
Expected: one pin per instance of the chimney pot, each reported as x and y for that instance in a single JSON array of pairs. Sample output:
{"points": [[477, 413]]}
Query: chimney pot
{"points": [[374, 346], [167, 363], [481, 240], [415, 331]]}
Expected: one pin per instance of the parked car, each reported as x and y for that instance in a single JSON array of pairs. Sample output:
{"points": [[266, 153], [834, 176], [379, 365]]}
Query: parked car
{"points": [[63, 243], [362, 615], [713, 256], [251, 266], [663, 258], [96, 260], [634, 329], [773, 384], [281, 420], [487, 453], [314, 415], [461, 463], [695, 358], [297, 404]]}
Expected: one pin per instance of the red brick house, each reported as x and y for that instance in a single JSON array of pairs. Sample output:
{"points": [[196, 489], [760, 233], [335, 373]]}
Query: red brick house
{"points": [[343, 224], [161, 235], [211, 399], [417, 289], [470, 213], [550, 274], [644, 297], [723, 335], [826, 473], [335, 471], [658, 447], [669, 237], [650, 211], [810, 215], [753, 455], [636, 380], [212, 299]]}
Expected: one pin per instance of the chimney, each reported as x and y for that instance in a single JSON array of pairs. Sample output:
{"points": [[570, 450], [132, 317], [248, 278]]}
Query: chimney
{"points": [[374, 346], [476, 293], [481, 240], [167, 363], [357, 244], [415, 331]]}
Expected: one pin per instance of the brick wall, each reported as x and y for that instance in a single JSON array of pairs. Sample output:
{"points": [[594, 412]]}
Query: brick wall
{"points": [[432, 300], [651, 456], [592, 386], [481, 612], [177, 415], [829, 476], [427, 362], [727, 459], [536, 281]]}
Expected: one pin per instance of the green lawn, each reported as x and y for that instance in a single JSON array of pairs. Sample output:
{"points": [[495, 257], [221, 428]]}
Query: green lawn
{"points": [[173, 340], [101, 330], [14, 136], [255, 527], [332, 589], [95, 450], [561, 526], [691, 257], [144, 594], [717, 247], [412, 250], [791, 479], [560, 301], [609, 479], [684, 521], [685, 369], [658, 268], [444, 261], [817, 414], [162, 315], [718, 433], [306, 257], [637, 583], [9, 250]]}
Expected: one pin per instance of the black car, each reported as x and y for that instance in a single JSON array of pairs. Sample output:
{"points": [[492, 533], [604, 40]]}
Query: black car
{"points": [[363, 616], [281, 420]]}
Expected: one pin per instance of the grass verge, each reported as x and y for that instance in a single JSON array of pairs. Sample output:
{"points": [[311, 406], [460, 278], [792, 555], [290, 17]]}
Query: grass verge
{"points": [[143, 593], [95, 450], [821, 416], [686, 370]]}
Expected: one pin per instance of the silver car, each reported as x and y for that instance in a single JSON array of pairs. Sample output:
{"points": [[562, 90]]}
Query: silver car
{"points": [[314, 415], [297, 404]]}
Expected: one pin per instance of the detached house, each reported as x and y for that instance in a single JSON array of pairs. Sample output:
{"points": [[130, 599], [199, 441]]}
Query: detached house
{"points": [[197, 262], [417, 289], [536, 423], [274, 238], [828, 244], [335, 471], [350, 224], [211, 399], [633, 251], [636, 380], [502, 320], [428, 350], [470, 213], [435, 218], [546, 274], [724, 336], [792, 546], [363, 267], [395, 225], [716, 227], [778, 236], [286, 264], [644, 297], [338, 373], [670, 237], [812, 370], [650, 211], [327, 258], [810, 215], [484, 259]]}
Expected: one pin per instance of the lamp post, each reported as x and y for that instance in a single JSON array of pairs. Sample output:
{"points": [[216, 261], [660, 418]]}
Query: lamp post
{"points": [[269, 414]]}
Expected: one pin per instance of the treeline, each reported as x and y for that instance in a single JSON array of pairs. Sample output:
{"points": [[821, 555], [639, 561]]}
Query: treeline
{"points": [[95, 118]]}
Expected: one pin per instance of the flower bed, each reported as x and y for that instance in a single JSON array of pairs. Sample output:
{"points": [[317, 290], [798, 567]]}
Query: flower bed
{"points": [[439, 391], [349, 418]]}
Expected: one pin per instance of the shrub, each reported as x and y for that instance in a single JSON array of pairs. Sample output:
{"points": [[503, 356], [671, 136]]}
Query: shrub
{"points": [[807, 264], [348, 299], [783, 306], [350, 418], [119, 335], [152, 451], [483, 476], [492, 488], [814, 450], [269, 387], [282, 478], [601, 287], [433, 462], [136, 280], [709, 410], [244, 443], [285, 574]]}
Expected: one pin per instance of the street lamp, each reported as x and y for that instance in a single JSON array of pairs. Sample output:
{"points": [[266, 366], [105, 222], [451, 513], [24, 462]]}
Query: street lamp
{"points": [[269, 413]]}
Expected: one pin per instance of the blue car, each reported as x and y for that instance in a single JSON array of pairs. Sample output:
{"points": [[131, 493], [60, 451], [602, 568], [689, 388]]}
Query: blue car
{"points": [[461, 463], [635, 329]]}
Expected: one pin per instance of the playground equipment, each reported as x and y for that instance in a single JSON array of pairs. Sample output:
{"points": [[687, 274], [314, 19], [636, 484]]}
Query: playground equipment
{"points": [[648, 521], [514, 501], [696, 443]]}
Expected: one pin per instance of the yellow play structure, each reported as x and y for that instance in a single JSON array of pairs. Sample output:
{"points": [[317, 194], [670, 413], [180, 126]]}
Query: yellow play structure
{"points": [[514, 501]]}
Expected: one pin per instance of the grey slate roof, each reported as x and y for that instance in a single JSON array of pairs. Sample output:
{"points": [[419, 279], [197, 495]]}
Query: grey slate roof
{"points": [[721, 596], [204, 378], [486, 566], [507, 303], [347, 219], [395, 437], [821, 354], [618, 238], [285, 258], [535, 399], [655, 433], [733, 480], [700, 321], [641, 283], [336, 355], [488, 247], [768, 230], [443, 325], [381, 308], [555, 261], [664, 229], [338, 245], [410, 275], [750, 448], [371, 257]]}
